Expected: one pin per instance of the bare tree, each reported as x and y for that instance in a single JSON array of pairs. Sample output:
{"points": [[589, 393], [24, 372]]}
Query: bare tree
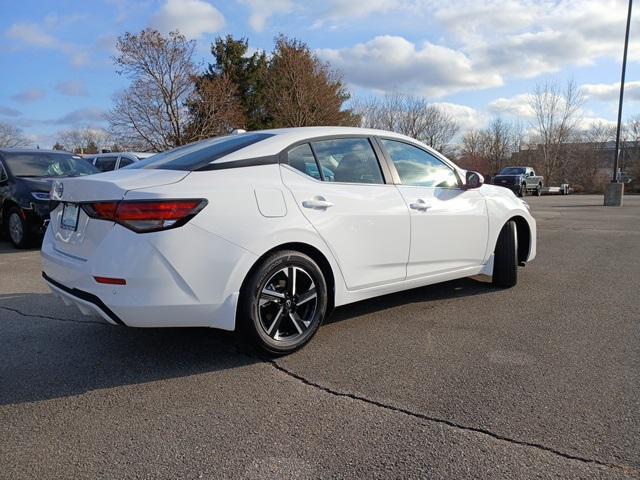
{"points": [[558, 112], [632, 129], [473, 151], [12, 137], [215, 105], [410, 115], [162, 72], [83, 140]]}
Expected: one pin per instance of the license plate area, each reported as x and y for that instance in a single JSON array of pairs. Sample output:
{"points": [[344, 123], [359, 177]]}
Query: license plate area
{"points": [[70, 214]]}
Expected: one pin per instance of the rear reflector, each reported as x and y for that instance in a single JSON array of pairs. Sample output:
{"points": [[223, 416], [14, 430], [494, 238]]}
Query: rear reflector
{"points": [[111, 281], [146, 215]]}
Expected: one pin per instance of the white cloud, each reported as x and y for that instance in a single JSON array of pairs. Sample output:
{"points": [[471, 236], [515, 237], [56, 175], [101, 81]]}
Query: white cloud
{"points": [[34, 35], [29, 96], [193, 18], [72, 88], [263, 10], [529, 38], [608, 92], [517, 106], [468, 118], [388, 63], [31, 34], [9, 112], [83, 117]]}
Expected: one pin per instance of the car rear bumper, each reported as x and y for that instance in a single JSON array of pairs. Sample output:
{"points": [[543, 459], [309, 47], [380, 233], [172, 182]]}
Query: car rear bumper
{"points": [[184, 277]]}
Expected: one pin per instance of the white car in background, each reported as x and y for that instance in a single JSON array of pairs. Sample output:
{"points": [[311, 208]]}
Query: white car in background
{"points": [[269, 230], [106, 162]]}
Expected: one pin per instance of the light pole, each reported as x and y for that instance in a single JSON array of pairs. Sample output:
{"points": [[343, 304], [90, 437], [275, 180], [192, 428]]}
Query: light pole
{"points": [[615, 190]]}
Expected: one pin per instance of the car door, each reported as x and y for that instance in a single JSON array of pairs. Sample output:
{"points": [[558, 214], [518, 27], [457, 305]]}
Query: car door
{"points": [[449, 225], [340, 188]]}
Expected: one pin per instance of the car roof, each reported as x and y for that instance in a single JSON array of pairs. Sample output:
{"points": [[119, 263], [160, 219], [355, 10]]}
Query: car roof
{"points": [[281, 138], [33, 150], [139, 155]]}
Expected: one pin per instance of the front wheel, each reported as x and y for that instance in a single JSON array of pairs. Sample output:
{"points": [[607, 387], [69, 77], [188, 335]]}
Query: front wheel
{"points": [[17, 228], [283, 302], [505, 259]]}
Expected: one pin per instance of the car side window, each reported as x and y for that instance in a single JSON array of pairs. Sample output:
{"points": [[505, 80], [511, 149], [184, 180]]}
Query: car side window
{"points": [[418, 167], [348, 160], [106, 164], [301, 158], [124, 161]]}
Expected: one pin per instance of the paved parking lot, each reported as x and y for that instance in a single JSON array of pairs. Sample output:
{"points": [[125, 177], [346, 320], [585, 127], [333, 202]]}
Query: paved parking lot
{"points": [[453, 381]]}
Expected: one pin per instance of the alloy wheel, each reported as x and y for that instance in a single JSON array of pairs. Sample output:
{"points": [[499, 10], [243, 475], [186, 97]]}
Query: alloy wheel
{"points": [[16, 230], [287, 304]]}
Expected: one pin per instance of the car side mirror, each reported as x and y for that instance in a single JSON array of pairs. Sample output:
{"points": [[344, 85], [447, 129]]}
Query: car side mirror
{"points": [[473, 180]]}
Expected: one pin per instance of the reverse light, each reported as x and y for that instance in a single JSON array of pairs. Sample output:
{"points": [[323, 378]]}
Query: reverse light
{"points": [[143, 216]]}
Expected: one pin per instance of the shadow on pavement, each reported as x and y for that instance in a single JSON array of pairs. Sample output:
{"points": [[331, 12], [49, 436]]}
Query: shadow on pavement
{"points": [[449, 290], [45, 358]]}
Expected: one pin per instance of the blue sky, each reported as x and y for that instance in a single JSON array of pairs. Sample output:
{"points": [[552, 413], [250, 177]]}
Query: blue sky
{"points": [[476, 58]]}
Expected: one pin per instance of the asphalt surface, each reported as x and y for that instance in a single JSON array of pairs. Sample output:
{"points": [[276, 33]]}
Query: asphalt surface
{"points": [[458, 380]]}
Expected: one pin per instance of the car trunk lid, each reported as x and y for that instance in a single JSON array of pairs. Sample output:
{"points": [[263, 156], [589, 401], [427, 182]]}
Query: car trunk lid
{"points": [[80, 242]]}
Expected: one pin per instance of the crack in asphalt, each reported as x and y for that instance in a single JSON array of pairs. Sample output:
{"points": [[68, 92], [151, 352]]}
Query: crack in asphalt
{"points": [[47, 317], [625, 469]]}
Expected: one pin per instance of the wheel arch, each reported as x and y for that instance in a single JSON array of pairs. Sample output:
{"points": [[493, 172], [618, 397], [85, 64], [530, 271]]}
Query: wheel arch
{"points": [[315, 254], [7, 205], [524, 237]]}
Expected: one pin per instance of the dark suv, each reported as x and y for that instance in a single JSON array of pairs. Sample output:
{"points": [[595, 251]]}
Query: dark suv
{"points": [[25, 181]]}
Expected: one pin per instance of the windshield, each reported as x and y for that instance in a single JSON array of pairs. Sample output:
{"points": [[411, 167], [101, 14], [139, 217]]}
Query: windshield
{"points": [[513, 171], [47, 164], [196, 155]]}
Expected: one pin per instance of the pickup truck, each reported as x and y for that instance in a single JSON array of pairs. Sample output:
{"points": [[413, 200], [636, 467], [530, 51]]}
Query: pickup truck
{"points": [[521, 180]]}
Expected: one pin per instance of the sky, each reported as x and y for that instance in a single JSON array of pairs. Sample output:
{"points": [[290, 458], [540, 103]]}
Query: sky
{"points": [[477, 59]]}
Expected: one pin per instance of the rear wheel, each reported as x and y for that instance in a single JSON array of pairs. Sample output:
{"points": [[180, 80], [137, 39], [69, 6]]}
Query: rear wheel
{"points": [[505, 260], [523, 190], [17, 228], [283, 302], [539, 190]]}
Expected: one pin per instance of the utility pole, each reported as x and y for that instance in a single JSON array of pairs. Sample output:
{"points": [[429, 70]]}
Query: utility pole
{"points": [[615, 190]]}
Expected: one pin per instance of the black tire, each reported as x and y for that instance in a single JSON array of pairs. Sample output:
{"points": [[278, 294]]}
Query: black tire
{"points": [[539, 190], [505, 260], [284, 323], [17, 228], [523, 190]]}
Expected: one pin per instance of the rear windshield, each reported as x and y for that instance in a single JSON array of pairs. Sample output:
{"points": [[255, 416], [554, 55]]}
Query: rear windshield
{"points": [[22, 164], [197, 155], [513, 171]]}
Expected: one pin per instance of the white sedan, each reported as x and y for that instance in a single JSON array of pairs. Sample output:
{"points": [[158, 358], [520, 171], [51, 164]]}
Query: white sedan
{"points": [[267, 231]]}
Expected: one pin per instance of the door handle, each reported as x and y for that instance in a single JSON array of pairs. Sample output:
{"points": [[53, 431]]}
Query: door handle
{"points": [[317, 203], [420, 205]]}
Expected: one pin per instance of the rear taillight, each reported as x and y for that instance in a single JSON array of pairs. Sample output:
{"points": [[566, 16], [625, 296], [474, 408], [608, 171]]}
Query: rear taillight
{"points": [[146, 215]]}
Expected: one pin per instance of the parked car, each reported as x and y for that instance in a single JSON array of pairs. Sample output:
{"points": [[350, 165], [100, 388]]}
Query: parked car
{"points": [[25, 181], [521, 180], [267, 231], [106, 162]]}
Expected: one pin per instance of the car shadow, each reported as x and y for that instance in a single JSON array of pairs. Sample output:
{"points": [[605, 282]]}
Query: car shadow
{"points": [[7, 247], [51, 351], [463, 287]]}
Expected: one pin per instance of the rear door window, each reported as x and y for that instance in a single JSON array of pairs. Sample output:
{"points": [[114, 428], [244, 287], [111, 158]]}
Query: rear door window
{"points": [[124, 161], [348, 160], [106, 164]]}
